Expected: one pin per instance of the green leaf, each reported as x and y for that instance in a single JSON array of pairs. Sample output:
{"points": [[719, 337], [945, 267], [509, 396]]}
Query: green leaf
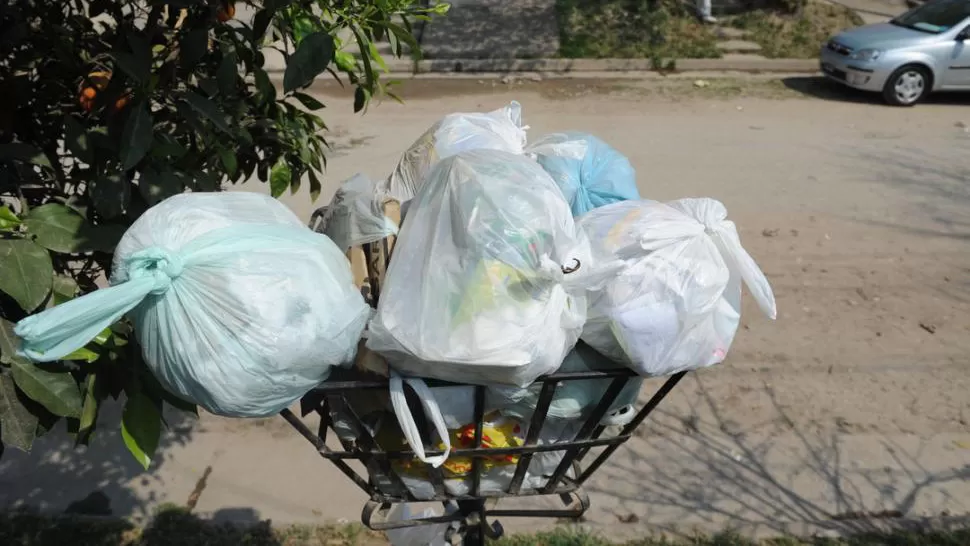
{"points": [[207, 108], [9, 342], [137, 136], [83, 354], [156, 185], [403, 35], [25, 272], [141, 428], [64, 289], [55, 391], [279, 177], [111, 193], [193, 46], [361, 96], [17, 424], [89, 410], [8, 219], [61, 229], [229, 161], [310, 59], [103, 337], [265, 87], [167, 146], [18, 151], [137, 69], [227, 74], [56, 227], [315, 186], [309, 102], [376, 55], [261, 22], [345, 61], [76, 139]]}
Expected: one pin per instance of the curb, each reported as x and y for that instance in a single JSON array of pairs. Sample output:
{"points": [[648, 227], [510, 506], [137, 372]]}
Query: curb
{"points": [[565, 66]]}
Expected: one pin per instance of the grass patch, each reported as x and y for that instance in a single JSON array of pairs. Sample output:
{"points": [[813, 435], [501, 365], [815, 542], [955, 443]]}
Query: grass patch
{"points": [[173, 527], [177, 527], [798, 35], [628, 29], [579, 538]]}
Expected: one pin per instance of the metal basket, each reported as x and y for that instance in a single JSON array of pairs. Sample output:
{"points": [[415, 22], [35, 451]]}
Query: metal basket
{"points": [[471, 512]]}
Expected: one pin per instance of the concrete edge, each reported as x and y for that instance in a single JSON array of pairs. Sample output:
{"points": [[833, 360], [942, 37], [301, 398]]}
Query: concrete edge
{"points": [[580, 66]]}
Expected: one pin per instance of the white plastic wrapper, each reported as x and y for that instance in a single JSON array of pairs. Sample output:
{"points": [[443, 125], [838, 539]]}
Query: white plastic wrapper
{"points": [[676, 305], [355, 216], [237, 305], [501, 129], [477, 291]]}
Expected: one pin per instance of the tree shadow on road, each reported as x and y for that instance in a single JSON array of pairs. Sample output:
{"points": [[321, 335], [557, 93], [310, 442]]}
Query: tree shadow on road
{"points": [[938, 188], [822, 88], [101, 479], [705, 471]]}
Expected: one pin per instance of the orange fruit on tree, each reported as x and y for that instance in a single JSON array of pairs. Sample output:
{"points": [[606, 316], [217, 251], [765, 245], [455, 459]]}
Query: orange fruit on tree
{"points": [[90, 87], [226, 11], [122, 102]]}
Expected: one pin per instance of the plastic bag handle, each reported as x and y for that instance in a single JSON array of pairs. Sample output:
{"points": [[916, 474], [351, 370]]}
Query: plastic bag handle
{"points": [[406, 420], [739, 260], [57, 332]]}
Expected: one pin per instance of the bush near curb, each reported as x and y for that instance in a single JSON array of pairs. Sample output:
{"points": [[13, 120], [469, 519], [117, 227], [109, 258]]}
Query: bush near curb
{"points": [[661, 29]]}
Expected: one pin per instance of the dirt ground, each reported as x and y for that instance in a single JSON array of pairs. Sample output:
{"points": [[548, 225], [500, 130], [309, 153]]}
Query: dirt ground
{"points": [[853, 404]]}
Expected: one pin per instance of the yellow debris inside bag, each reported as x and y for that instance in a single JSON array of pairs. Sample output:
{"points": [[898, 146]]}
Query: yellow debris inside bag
{"points": [[497, 431]]}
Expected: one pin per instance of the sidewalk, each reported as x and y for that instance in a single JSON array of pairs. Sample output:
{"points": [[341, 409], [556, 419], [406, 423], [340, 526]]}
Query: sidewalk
{"points": [[493, 29]]}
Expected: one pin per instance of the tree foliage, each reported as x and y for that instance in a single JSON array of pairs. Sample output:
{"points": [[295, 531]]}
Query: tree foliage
{"points": [[109, 106]]}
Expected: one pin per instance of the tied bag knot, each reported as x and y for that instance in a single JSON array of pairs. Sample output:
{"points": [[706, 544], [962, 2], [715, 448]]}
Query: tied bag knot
{"points": [[59, 331], [158, 263]]}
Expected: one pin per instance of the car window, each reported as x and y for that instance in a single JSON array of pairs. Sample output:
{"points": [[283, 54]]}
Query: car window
{"points": [[935, 16]]}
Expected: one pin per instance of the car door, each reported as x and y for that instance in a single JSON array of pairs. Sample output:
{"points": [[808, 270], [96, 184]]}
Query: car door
{"points": [[957, 73]]}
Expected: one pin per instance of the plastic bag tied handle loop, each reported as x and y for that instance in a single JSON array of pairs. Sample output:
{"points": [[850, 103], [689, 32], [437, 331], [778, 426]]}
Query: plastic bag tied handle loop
{"points": [[162, 266], [61, 330]]}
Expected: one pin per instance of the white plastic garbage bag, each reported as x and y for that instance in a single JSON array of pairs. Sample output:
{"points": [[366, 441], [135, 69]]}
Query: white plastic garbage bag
{"points": [[501, 129], [489, 276], [573, 399], [237, 305], [421, 535], [355, 215], [677, 304]]}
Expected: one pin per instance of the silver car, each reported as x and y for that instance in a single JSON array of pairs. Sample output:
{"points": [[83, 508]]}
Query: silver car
{"points": [[925, 49]]}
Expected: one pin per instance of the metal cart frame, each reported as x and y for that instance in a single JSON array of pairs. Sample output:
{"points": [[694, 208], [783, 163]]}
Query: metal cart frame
{"points": [[470, 513]]}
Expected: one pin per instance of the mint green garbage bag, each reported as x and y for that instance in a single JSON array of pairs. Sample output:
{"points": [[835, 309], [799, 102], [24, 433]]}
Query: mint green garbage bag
{"points": [[237, 305]]}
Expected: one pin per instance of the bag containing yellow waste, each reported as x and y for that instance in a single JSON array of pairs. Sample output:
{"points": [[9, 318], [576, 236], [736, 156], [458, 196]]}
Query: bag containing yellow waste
{"points": [[238, 307], [489, 275]]}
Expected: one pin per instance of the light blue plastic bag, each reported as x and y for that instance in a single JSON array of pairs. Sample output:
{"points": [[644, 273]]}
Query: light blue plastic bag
{"points": [[589, 172], [238, 306]]}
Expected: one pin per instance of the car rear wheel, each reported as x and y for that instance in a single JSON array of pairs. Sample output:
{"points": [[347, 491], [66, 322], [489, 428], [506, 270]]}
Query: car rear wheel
{"points": [[907, 86]]}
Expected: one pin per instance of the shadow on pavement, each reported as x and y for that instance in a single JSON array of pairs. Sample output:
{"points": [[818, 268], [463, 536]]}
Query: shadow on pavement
{"points": [[822, 88], [101, 479], [777, 478], [936, 186]]}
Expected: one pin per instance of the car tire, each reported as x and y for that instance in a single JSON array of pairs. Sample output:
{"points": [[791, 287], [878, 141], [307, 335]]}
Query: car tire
{"points": [[907, 85]]}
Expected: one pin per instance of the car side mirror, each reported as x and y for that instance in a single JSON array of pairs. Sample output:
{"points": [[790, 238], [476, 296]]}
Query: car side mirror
{"points": [[964, 35]]}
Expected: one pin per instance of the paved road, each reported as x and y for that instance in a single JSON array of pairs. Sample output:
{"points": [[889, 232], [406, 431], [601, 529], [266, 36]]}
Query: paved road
{"points": [[854, 401]]}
